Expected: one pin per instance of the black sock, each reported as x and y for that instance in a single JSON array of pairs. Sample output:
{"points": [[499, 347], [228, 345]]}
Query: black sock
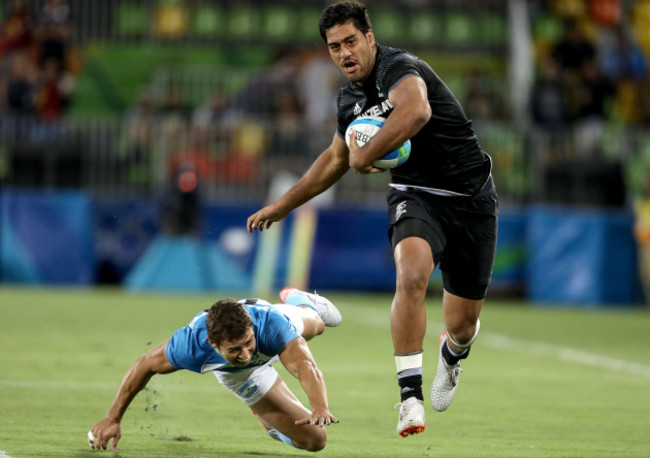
{"points": [[451, 359], [410, 382]]}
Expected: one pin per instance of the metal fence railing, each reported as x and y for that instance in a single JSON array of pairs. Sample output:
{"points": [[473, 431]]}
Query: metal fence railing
{"points": [[240, 127], [238, 159]]}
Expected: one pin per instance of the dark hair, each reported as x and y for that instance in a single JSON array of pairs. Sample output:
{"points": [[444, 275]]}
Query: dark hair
{"points": [[227, 320], [340, 13]]}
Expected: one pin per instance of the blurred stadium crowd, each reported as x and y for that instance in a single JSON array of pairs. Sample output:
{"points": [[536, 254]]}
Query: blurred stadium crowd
{"points": [[100, 86], [202, 101], [592, 84], [36, 70]]}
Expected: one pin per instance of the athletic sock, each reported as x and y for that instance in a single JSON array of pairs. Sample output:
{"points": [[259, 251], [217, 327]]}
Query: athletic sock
{"points": [[274, 433], [452, 357], [410, 383], [409, 375], [277, 435]]}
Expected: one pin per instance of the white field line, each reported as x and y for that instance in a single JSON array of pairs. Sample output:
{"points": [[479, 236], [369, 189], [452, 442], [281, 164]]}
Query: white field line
{"points": [[70, 385], [531, 348], [563, 353], [57, 384]]}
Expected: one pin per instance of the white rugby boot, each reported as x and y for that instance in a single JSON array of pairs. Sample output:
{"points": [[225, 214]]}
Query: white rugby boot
{"points": [[411, 417], [445, 382], [325, 309]]}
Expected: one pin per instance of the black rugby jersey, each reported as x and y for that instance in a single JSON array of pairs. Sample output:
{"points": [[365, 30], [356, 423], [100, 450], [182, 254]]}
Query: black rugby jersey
{"points": [[445, 153]]}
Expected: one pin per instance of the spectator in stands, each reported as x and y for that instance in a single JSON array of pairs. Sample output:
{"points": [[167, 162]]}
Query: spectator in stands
{"points": [[594, 100], [19, 84], [215, 125], [181, 206], [208, 114], [17, 89], [481, 99], [549, 105], [54, 28], [193, 154], [53, 91], [624, 63], [257, 97], [172, 120], [188, 166], [317, 84], [16, 31], [172, 108], [570, 52], [290, 133], [52, 95], [623, 59], [137, 142], [574, 48], [35, 86]]}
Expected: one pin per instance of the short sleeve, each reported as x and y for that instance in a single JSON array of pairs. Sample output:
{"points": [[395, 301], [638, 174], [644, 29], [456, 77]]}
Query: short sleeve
{"points": [[182, 352], [398, 68], [278, 332]]}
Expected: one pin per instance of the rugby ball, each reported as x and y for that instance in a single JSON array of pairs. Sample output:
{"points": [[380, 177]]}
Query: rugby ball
{"points": [[367, 127]]}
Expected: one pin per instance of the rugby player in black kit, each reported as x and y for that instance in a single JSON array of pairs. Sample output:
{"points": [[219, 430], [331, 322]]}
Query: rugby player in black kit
{"points": [[442, 203]]}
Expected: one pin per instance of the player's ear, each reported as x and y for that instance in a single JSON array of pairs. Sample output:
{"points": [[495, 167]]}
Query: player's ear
{"points": [[211, 343], [370, 37]]}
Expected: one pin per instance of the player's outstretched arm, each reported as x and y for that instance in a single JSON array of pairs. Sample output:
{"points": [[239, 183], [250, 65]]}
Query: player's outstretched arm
{"points": [[327, 169], [137, 377], [298, 360]]}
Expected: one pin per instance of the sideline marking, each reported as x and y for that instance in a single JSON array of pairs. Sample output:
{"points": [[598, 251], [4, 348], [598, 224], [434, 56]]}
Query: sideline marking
{"points": [[66, 385], [532, 348], [563, 353]]}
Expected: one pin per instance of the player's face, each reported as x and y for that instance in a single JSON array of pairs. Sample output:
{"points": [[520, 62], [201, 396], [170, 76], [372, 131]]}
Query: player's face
{"points": [[238, 352], [352, 51]]}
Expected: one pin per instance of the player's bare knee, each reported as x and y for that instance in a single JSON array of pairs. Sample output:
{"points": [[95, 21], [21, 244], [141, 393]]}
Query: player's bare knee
{"points": [[314, 441], [412, 281], [462, 332]]}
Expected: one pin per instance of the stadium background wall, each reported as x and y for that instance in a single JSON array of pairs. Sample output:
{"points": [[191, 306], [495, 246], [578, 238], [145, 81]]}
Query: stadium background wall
{"points": [[91, 196], [551, 253]]}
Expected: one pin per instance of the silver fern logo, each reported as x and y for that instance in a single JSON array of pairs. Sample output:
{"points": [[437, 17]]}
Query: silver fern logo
{"points": [[400, 210]]}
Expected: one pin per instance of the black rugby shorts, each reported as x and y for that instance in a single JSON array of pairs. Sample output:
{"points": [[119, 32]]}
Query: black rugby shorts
{"points": [[462, 233]]}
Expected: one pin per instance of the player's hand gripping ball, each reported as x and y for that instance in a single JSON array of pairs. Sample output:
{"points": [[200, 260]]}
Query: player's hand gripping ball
{"points": [[367, 127]]}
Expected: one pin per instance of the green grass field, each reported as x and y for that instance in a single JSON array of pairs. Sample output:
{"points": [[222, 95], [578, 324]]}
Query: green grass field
{"points": [[541, 381]]}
